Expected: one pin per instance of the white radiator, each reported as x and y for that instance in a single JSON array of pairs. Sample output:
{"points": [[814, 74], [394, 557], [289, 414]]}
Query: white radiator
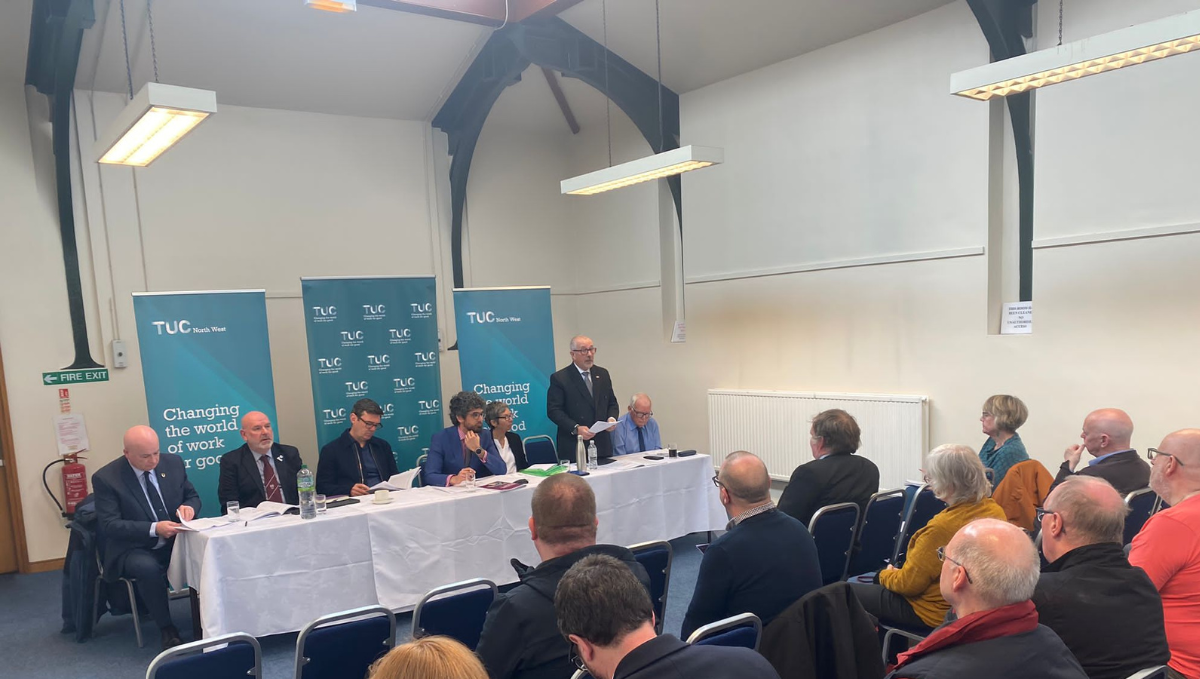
{"points": [[774, 425]]}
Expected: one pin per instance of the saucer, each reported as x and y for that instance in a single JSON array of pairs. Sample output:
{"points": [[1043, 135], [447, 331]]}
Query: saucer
{"points": [[385, 502]]}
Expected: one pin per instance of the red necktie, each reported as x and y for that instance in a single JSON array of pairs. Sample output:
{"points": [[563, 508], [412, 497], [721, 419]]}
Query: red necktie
{"points": [[270, 481]]}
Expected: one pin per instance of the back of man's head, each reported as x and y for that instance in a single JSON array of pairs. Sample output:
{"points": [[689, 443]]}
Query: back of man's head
{"points": [[564, 512], [1001, 560], [600, 600], [1113, 422], [1091, 510], [745, 478], [838, 430]]}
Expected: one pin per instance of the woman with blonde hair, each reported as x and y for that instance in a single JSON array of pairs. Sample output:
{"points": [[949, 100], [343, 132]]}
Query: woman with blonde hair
{"points": [[910, 596], [428, 658], [1002, 416]]}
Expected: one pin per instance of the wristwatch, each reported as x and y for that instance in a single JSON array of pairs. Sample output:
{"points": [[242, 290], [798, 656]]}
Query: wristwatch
{"points": [[479, 452]]}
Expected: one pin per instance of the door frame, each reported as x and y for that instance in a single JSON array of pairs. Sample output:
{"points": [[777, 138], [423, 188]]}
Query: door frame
{"points": [[13, 481]]}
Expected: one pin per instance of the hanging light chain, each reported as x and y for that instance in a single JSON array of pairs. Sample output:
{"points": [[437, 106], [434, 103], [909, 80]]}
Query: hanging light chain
{"points": [[125, 41], [1060, 22], [607, 98], [658, 43], [153, 51]]}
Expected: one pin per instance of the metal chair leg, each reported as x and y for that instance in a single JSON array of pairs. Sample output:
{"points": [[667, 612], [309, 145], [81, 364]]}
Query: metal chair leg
{"points": [[137, 619]]}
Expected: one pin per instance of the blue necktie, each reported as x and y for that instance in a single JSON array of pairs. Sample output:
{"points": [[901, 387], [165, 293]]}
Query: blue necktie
{"points": [[152, 494], [641, 441]]}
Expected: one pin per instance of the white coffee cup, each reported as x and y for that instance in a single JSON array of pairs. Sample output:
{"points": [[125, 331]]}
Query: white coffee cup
{"points": [[382, 496]]}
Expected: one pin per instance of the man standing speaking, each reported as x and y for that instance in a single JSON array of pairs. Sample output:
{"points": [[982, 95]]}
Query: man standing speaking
{"points": [[579, 395]]}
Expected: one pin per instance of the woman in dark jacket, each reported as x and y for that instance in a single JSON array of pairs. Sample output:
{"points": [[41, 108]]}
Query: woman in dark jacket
{"points": [[500, 420]]}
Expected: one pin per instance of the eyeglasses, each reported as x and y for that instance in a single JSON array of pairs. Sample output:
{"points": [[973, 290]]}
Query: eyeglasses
{"points": [[638, 413], [585, 350], [1152, 453], [717, 481], [576, 660], [371, 425], [941, 552], [1041, 513], [505, 417]]}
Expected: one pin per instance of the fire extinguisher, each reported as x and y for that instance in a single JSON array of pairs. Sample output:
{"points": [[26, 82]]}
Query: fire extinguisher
{"points": [[74, 483]]}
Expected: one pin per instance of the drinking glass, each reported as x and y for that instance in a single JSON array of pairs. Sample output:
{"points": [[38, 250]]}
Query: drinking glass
{"points": [[232, 508], [320, 500]]}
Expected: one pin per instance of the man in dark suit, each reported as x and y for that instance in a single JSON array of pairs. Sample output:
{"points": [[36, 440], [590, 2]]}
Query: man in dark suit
{"points": [[1106, 611], [580, 395], [138, 498], [763, 564], [607, 616], [1106, 436], [261, 469], [465, 450], [356, 460], [836, 474]]}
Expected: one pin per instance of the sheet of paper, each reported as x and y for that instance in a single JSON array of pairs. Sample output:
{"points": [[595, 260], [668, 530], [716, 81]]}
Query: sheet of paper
{"points": [[542, 467], [205, 524], [601, 426], [71, 433]]}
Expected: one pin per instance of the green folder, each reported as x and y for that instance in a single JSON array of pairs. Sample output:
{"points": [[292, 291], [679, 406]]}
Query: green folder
{"points": [[557, 469]]}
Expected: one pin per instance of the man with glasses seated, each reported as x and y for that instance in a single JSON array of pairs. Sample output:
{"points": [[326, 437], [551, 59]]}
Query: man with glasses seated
{"points": [[580, 395], [636, 431], [465, 449], [356, 460], [1168, 546]]}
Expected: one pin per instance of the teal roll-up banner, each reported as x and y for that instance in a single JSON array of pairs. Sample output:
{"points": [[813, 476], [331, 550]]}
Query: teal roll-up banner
{"points": [[377, 338], [506, 350], [206, 362]]}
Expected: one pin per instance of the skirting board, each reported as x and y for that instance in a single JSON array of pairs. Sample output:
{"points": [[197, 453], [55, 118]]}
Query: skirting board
{"points": [[43, 566]]}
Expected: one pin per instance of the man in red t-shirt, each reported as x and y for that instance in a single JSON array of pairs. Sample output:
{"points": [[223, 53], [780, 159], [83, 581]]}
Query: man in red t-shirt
{"points": [[1168, 546]]}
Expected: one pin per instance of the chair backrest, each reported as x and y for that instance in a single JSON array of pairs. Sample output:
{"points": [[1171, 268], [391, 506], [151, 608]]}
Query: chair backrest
{"points": [[1141, 504], [456, 611], [418, 479], [1158, 672], [876, 541], [833, 528], [656, 558], [924, 506], [344, 644], [540, 450], [229, 656], [744, 630]]}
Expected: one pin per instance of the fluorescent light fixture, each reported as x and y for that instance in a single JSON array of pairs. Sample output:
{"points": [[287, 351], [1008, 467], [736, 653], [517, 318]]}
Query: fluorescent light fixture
{"points": [[665, 164], [1130, 46], [153, 121], [333, 5]]}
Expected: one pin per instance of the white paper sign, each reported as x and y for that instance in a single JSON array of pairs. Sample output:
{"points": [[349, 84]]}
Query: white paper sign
{"points": [[1017, 318], [679, 332], [71, 433]]}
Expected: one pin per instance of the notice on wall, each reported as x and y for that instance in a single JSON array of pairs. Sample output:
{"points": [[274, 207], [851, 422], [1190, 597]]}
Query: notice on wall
{"points": [[71, 433], [1017, 319], [679, 332]]}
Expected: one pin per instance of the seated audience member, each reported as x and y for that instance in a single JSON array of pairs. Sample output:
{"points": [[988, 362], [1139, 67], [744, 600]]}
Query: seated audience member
{"points": [[520, 636], [763, 564], [428, 658], [835, 474], [500, 419], [909, 596], [636, 430], [261, 469], [989, 572], [356, 460], [1168, 546], [1106, 611], [1002, 416], [1106, 435], [465, 449], [608, 618]]}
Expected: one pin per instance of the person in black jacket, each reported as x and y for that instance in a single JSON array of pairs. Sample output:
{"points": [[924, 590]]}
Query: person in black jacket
{"points": [[836, 474], [1106, 611], [765, 562], [356, 460], [609, 621], [261, 469], [580, 395], [1106, 435], [520, 636], [499, 418]]}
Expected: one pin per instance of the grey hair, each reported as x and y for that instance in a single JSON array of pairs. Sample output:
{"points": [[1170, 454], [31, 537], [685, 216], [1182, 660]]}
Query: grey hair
{"points": [[1093, 520], [634, 399], [999, 577], [956, 474]]}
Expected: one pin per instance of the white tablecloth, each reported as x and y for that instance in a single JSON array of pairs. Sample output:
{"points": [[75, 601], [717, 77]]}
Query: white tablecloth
{"points": [[277, 575]]}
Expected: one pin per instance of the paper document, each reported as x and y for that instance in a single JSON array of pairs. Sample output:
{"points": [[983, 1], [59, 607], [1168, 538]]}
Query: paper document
{"points": [[601, 426], [401, 481], [264, 510], [204, 524]]}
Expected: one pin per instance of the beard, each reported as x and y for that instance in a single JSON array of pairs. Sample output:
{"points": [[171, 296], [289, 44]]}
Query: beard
{"points": [[1158, 483]]}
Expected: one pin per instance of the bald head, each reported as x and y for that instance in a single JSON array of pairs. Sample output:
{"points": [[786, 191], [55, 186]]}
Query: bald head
{"points": [[256, 432], [1175, 473], [1106, 431], [1089, 511], [140, 445], [1001, 560], [745, 478]]}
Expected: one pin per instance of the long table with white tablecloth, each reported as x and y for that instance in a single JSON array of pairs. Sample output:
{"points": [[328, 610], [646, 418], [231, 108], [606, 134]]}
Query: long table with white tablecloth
{"points": [[278, 574]]}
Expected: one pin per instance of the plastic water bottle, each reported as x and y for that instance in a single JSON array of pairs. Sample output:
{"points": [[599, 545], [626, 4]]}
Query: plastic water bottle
{"points": [[307, 485], [593, 462]]}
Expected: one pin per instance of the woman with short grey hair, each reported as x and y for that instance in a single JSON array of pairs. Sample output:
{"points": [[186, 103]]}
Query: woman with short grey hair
{"points": [[909, 596], [499, 418]]}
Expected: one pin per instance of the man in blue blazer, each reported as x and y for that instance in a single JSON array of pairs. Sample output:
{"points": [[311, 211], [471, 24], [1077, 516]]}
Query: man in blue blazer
{"points": [[465, 450], [139, 499]]}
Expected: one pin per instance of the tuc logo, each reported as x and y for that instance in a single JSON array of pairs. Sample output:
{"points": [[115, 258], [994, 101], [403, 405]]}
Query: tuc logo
{"points": [[173, 327], [374, 312], [352, 338], [421, 310], [414, 430], [423, 357], [356, 388], [334, 414], [329, 362], [404, 385], [430, 405], [324, 314], [481, 317], [378, 362], [399, 335]]}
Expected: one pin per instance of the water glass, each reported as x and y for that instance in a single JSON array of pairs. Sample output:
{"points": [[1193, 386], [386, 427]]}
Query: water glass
{"points": [[320, 500], [232, 508], [672, 450]]}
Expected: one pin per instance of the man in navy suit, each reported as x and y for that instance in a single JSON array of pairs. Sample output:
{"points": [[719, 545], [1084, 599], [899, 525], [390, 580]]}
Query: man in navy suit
{"points": [[261, 469], [464, 450], [580, 395], [139, 497]]}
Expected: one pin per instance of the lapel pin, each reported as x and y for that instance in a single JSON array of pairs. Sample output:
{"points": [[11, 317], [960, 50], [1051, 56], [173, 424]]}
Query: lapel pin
{"points": [[279, 458], [163, 474]]}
